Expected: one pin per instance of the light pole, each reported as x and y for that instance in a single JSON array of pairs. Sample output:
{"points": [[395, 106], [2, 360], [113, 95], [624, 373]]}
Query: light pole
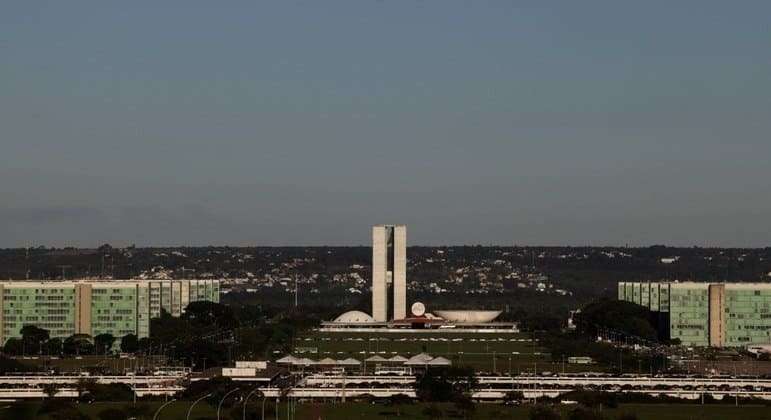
{"points": [[190, 410], [155, 416], [246, 400], [264, 398], [219, 406]]}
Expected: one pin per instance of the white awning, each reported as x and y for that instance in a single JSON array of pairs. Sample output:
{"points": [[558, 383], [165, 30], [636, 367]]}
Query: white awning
{"points": [[289, 359], [439, 361]]}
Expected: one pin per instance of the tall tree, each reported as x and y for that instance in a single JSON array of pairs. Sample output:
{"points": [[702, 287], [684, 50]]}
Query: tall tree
{"points": [[33, 339], [78, 344], [129, 343], [103, 343], [13, 346]]}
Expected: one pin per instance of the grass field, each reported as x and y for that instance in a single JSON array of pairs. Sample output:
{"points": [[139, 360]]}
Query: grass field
{"points": [[175, 410], [491, 411], [486, 352], [364, 411], [111, 364]]}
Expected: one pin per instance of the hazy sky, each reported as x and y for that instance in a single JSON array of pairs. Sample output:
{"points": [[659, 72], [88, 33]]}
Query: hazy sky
{"points": [[305, 122]]}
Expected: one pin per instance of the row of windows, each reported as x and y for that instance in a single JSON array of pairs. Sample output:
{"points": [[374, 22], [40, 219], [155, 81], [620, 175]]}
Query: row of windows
{"points": [[107, 318], [15, 311], [753, 327], [105, 291], [51, 305], [50, 297], [36, 291], [689, 327]]}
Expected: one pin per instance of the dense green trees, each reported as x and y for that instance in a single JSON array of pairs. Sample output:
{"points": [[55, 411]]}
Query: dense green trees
{"points": [[14, 347], [90, 390], [103, 343], [129, 343], [36, 341], [34, 338], [211, 334], [33, 341], [442, 384], [78, 344], [626, 317]]}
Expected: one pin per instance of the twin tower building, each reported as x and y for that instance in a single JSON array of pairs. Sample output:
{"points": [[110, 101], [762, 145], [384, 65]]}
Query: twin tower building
{"points": [[389, 272]]}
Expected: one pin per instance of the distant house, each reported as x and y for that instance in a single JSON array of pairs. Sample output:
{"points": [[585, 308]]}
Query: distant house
{"points": [[580, 360]]}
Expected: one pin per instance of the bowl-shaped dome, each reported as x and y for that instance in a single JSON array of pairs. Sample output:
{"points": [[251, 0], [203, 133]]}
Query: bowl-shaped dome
{"points": [[355, 317], [464, 316]]}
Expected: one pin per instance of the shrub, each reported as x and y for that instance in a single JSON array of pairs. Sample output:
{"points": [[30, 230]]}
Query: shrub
{"points": [[543, 412]]}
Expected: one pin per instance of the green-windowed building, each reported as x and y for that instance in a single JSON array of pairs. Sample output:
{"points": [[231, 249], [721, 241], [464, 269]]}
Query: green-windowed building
{"points": [[708, 314], [116, 307]]}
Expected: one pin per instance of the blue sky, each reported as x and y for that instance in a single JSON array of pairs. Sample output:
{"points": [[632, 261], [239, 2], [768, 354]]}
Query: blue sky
{"points": [[305, 122]]}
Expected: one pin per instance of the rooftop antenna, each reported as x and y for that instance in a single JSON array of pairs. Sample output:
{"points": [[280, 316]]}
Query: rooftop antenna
{"points": [[26, 259], [64, 267], [295, 290]]}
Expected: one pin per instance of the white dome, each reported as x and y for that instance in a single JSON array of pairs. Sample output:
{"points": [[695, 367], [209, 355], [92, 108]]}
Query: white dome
{"points": [[355, 317], [476, 317]]}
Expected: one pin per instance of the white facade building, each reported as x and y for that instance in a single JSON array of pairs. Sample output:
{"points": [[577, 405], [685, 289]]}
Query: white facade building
{"points": [[389, 266]]}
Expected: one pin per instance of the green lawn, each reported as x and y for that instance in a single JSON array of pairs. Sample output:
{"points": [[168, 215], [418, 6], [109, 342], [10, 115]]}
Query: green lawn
{"points": [[352, 411], [486, 352], [364, 411], [175, 410], [109, 363]]}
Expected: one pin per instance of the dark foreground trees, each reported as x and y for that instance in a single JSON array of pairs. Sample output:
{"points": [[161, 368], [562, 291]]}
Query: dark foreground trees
{"points": [[443, 384]]}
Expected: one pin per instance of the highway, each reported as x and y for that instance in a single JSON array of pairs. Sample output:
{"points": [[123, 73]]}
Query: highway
{"points": [[17, 387], [382, 386], [496, 387]]}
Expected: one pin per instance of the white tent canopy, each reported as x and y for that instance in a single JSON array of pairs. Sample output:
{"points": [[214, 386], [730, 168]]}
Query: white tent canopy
{"points": [[419, 359], [398, 359], [289, 359], [376, 358], [349, 362], [439, 361]]}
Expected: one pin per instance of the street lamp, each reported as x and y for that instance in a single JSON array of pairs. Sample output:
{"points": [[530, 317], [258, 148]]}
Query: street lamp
{"points": [[155, 416], [246, 400], [190, 410], [219, 407]]}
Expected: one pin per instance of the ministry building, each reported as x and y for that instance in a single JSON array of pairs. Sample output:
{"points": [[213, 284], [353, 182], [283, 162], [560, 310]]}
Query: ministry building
{"points": [[116, 307], [707, 314]]}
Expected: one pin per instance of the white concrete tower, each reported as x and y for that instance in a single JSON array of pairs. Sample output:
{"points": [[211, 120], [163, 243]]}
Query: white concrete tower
{"points": [[389, 267], [400, 271], [379, 273]]}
